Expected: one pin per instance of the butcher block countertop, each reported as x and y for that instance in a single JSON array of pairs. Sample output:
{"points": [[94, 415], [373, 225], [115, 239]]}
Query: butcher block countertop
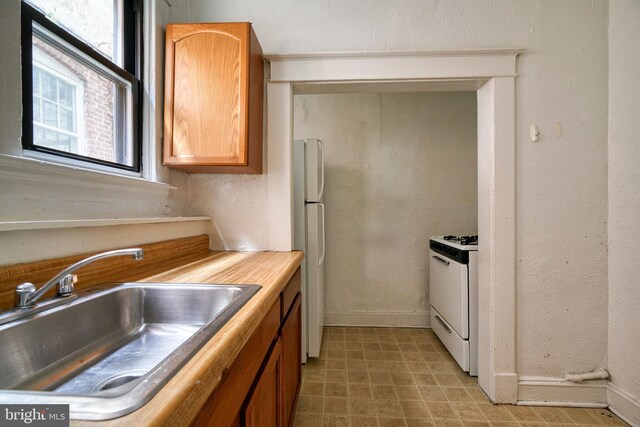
{"points": [[179, 401]]}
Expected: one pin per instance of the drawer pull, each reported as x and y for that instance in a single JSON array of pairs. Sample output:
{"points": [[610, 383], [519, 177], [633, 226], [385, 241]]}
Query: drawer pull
{"points": [[444, 325], [444, 261]]}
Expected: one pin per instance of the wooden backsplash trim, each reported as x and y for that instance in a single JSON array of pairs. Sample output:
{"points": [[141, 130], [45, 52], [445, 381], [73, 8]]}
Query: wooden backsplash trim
{"points": [[158, 257]]}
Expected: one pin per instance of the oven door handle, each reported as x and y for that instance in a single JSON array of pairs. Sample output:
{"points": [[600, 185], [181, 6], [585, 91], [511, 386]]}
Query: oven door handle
{"points": [[444, 325], [444, 261]]}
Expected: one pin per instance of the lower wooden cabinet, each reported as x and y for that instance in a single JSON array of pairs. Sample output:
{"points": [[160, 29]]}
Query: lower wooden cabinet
{"points": [[291, 358], [265, 405], [261, 387], [225, 406]]}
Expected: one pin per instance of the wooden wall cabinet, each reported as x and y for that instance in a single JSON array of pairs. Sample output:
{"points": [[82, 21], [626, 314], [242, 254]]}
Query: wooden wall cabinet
{"points": [[213, 103], [261, 387]]}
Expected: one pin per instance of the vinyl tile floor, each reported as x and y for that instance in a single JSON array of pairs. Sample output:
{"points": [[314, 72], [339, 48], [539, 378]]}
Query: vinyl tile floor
{"points": [[387, 377]]}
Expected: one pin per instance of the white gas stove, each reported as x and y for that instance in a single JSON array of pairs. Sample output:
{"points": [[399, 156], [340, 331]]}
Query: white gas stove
{"points": [[453, 285]]}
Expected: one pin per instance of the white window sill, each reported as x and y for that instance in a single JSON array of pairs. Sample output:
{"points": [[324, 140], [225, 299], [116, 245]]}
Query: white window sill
{"points": [[55, 224]]}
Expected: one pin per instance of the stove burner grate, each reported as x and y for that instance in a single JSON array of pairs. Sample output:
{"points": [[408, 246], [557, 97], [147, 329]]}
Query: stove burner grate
{"points": [[463, 240]]}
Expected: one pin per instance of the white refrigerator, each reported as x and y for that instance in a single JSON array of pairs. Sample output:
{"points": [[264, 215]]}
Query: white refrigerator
{"points": [[308, 186]]}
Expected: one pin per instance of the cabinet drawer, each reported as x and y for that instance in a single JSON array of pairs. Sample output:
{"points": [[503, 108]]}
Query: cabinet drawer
{"points": [[458, 347], [289, 293]]}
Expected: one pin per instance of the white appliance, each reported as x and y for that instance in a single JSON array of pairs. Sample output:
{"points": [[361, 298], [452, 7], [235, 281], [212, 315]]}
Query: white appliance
{"points": [[453, 287], [308, 186]]}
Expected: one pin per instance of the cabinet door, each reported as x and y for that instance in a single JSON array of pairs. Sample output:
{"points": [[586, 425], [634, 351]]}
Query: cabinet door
{"points": [[224, 407], [291, 355], [264, 408], [213, 98]]}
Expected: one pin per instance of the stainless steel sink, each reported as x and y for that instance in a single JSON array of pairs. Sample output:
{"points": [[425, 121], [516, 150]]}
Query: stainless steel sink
{"points": [[108, 352]]}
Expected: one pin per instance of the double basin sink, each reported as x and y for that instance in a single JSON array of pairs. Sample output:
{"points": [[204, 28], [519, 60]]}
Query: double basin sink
{"points": [[109, 351]]}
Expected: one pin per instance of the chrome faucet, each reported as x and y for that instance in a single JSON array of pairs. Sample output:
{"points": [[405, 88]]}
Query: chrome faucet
{"points": [[26, 294]]}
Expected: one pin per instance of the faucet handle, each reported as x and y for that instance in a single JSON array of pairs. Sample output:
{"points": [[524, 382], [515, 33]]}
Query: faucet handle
{"points": [[23, 292], [65, 285]]}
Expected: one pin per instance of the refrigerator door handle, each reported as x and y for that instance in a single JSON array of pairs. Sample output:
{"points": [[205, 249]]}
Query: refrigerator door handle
{"points": [[320, 150], [321, 260]]}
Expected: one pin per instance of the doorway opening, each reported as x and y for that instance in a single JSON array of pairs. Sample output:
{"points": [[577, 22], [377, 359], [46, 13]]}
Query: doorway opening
{"points": [[400, 167]]}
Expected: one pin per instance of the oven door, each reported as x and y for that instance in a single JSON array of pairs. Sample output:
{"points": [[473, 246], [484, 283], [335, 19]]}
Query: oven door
{"points": [[449, 291]]}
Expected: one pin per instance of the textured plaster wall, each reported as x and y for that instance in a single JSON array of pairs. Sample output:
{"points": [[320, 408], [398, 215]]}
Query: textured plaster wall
{"points": [[561, 199], [624, 197], [399, 168], [238, 203]]}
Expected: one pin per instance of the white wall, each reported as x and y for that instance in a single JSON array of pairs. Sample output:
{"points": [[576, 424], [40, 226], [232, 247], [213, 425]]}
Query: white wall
{"points": [[23, 243], [561, 181], [239, 203], [399, 168], [624, 203]]}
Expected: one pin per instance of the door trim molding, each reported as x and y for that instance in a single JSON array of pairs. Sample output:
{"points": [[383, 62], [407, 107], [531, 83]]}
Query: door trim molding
{"points": [[492, 73]]}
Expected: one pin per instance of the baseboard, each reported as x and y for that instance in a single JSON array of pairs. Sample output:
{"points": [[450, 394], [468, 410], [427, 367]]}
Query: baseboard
{"points": [[401, 319], [624, 405], [506, 388], [551, 391], [545, 391]]}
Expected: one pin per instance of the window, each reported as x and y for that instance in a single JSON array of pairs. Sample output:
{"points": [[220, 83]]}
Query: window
{"points": [[81, 87], [57, 106]]}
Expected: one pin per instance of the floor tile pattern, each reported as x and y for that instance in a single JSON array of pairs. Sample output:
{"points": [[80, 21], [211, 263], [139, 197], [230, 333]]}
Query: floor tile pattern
{"points": [[384, 377]]}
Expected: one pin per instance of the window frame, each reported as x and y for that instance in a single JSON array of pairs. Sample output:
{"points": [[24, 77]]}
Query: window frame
{"points": [[131, 71]]}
